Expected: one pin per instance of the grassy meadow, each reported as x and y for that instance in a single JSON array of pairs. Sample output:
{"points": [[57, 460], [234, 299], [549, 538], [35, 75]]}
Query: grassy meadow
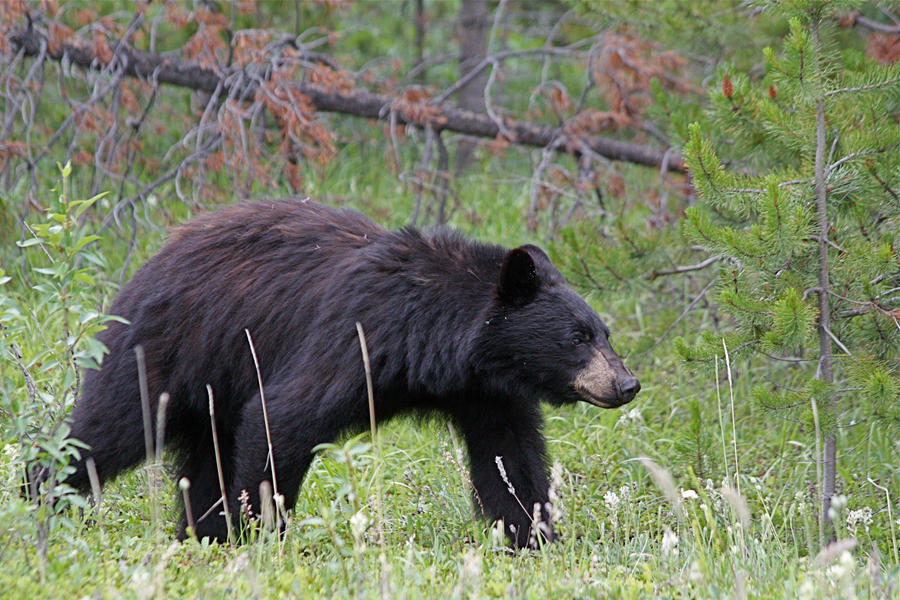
{"points": [[691, 491]]}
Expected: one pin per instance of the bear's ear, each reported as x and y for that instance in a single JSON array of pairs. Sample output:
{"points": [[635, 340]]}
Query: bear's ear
{"points": [[519, 280]]}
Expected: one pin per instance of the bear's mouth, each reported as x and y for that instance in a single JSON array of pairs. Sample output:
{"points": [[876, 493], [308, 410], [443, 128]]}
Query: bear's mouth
{"points": [[590, 398]]}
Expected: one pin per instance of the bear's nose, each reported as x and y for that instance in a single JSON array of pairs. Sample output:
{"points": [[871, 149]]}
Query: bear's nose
{"points": [[629, 387]]}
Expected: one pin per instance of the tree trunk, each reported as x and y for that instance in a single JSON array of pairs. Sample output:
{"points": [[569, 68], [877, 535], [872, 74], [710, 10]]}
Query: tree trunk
{"points": [[826, 360], [420, 39], [473, 33]]}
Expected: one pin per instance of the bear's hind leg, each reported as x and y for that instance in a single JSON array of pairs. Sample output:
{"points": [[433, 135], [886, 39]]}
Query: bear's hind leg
{"points": [[108, 418], [294, 432], [200, 469]]}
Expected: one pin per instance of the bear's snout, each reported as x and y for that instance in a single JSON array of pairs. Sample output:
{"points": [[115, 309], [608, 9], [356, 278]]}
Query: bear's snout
{"points": [[606, 381], [628, 387]]}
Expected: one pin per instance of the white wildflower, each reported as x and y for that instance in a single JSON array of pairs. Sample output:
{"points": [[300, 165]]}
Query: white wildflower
{"points": [[498, 537], [10, 452], [669, 545], [8, 462], [471, 567], [694, 574], [142, 584], [838, 502], [556, 481], [611, 500], [633, 416], [540, 529], [689, 495], [237, 564], [469, 576], [553, 511], [756, 482], [841, 575], [554, 506], [359, 522], [806, 591], [863, 516]]}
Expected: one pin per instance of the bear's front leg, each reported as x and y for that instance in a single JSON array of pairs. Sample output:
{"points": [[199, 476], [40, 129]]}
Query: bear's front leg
{"points": [[508, 468]]}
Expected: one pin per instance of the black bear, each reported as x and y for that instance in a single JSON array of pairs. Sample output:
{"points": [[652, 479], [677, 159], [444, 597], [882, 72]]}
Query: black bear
{"points": [[477, 332]]}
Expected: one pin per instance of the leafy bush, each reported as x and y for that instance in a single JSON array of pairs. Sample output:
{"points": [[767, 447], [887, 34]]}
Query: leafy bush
{"points": [[40, 375]]}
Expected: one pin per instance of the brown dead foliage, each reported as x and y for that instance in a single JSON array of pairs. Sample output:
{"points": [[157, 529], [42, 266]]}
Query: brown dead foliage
{"points": [[295, 115], [884, 47], [177, 16], [130, 97], [95, 120], [250, 47], [331, 79], [413, 106], [59, 35], [498, 145], [615, 185], [50, 8], [560, 100], [592, 122], [100, 49], [625, 66], [85, 17], [207, 46], [10, 149], [82, 157], [11, 11], [214, 20]]}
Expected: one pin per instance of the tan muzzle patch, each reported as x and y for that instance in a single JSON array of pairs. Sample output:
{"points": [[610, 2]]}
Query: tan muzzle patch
{"points": [[596, 382]]}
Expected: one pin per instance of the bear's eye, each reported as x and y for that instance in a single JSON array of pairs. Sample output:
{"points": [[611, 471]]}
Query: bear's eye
{"points": [[581, 337]]}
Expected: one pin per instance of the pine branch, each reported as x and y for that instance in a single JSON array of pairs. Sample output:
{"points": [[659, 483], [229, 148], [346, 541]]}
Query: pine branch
{"points": [[357, 102]]}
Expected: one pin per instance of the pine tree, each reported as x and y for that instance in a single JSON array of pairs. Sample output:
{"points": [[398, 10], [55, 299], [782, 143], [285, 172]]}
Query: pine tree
{"points": [[798, 176]]}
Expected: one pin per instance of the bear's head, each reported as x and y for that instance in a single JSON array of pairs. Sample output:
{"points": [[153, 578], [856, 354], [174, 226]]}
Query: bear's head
{"points": [[542, 339]]}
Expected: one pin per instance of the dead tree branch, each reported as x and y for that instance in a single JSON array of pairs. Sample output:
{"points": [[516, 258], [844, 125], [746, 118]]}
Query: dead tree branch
{"points": [[356, 102]]}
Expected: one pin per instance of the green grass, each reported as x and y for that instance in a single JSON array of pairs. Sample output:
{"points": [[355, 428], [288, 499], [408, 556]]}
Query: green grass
{"points": [[612, 531], [620, 536]]}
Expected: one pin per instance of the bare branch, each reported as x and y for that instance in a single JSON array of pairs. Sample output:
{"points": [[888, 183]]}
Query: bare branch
{"points": [[863, 88], [684, 269], [876, 26], [683, 314]]}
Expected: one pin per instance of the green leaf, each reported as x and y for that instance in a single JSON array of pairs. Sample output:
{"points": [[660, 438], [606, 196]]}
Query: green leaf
{"points": [[84, 242]]}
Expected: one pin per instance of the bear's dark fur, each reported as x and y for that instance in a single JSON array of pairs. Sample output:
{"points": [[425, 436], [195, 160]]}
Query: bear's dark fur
{"points": [[475, 331]]}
